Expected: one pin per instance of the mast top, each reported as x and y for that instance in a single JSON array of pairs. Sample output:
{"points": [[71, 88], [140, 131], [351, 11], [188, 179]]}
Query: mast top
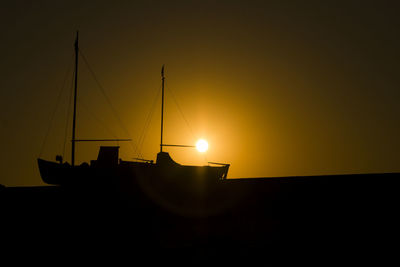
{"points": [[76, 40]]}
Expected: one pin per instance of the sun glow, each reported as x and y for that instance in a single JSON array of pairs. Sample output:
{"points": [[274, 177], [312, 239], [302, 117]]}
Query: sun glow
{"points": [[202, 145]]}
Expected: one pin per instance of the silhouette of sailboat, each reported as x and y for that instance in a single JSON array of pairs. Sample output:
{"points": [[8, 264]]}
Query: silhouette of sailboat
{"points": [[108, 169]]}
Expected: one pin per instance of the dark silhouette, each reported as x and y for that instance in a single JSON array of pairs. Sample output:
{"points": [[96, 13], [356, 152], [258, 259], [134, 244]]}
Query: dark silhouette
{"points": [[140, 210], [337, 218], [108, 170]]}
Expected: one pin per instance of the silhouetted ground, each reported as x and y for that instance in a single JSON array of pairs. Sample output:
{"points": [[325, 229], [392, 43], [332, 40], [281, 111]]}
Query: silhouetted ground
{"points": [[329, 218]]}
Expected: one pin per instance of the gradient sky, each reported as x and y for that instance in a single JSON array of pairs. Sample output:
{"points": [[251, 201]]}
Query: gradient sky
{"points": [[278, 88]]}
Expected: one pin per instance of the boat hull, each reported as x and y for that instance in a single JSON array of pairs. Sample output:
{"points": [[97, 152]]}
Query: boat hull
{"points": [[187, 190], [54, 173]]}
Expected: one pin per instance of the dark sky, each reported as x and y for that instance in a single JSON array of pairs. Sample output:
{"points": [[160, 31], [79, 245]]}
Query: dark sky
{"points": [[278, 88]]}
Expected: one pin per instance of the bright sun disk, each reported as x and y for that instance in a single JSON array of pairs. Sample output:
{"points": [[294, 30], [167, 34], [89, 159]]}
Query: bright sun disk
{"points": [[202, 145]]}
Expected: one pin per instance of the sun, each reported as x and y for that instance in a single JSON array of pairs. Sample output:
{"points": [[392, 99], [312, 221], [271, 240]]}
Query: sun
{"points": [[202, 145]]}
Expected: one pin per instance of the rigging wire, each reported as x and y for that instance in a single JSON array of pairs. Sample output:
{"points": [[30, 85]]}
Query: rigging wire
{"points": [[142, 137], [55, 108], [180, 111], [143, 134], [68, 113], [184, 118], [122, 125], [85, 107]]}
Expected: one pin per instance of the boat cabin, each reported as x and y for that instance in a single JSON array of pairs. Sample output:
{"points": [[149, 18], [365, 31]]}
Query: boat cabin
{"points": [[107, 157]]}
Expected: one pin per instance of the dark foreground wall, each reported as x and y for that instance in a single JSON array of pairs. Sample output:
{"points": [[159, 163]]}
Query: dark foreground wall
{"points": [[333, 218]]}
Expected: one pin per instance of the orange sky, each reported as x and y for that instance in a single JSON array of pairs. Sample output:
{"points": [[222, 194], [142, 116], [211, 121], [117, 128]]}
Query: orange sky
{"points": [[279, 88]]}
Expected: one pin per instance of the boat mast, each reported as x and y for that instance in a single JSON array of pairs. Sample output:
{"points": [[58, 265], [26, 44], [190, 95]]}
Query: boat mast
{"points": [[162, 107], [75, 91]]}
